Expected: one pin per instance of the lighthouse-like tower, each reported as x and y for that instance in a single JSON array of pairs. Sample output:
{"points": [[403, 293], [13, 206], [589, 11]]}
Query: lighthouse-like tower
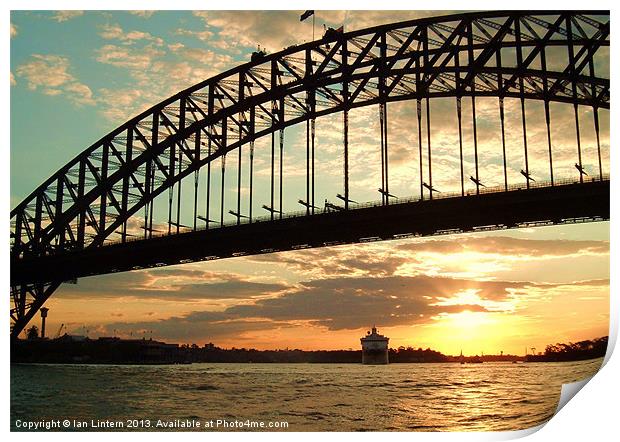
{"points": [[374, 348]]}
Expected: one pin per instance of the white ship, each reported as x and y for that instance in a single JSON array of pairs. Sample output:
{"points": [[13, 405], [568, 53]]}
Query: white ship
{"points": [[374, 348]]}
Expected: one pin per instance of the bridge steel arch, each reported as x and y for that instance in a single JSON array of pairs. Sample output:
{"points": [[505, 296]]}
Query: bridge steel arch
{"points": [[89, 201]]}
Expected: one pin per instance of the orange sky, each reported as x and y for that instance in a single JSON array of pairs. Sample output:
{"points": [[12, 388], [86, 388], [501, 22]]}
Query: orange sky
{"points": [[486, 293]]}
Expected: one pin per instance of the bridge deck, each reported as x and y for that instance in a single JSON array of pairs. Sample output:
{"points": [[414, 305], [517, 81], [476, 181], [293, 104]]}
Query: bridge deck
{"points": [[545, 205]]}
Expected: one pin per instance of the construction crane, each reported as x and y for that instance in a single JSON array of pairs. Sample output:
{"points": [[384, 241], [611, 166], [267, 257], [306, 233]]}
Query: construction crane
{"points": [[59, 331]]}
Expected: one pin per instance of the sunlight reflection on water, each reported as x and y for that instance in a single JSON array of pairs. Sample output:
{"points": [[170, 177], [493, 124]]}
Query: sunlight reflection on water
{"points": [[311, 397]]}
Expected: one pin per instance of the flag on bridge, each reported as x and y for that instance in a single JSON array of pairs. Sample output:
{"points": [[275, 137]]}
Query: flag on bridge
{"points": [[305, 15]]}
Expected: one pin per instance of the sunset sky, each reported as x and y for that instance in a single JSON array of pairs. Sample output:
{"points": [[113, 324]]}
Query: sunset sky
{"points": [[75, 76]]}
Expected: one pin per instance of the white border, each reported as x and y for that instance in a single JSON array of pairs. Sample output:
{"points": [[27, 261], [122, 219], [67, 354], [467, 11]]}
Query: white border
{"points": [[593, 416]]}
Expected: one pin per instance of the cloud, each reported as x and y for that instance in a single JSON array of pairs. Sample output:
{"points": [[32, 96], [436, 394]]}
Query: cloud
{"points": [[364, 19], [353, 261], [115, 32], [13, 81], [118, 105], [349, 303], [431, 256], [143, 14], [592, 283], [150, 66], [226, 35], [171, 284], [230, 289], [62, 16], [196, 326], [50, 74], [126, 57], [252, 28], [335, 304], [504, 245], [204, 35], [47, 71], [13, 30], [352, 303], [79, 93]]}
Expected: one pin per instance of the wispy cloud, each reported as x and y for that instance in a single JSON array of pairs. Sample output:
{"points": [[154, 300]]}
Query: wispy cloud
{"points": [[50, 74], [504, 245], [115, 32], [126, 57], [252, 28], [203, 35], [62, 16], [149, 65], [143, 14], [468, 256], [174, 284]]}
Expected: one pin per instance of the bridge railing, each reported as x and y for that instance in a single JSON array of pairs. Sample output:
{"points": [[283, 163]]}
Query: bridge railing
{"points": [[377, 203]]}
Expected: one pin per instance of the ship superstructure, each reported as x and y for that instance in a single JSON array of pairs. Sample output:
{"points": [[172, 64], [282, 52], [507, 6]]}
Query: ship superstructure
{"points": [[374, 348]]}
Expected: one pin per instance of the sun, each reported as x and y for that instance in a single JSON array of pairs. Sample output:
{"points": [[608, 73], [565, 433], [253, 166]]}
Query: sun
{"points": [[469, 331], [467, 320]]}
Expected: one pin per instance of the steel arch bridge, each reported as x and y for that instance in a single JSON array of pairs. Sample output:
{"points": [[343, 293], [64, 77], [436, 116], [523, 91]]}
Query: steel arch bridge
{"points": [[83, 219]]}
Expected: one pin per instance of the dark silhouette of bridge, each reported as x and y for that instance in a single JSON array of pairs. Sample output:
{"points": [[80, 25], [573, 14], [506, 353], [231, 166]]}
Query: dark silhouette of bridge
{"points": [[118, 205]]}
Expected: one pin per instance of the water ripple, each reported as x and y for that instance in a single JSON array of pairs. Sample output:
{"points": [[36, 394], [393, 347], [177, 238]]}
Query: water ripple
{"points": [[310, 397]]}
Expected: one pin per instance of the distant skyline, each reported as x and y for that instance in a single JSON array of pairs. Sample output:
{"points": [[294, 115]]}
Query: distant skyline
{"points": [[81, 74]]}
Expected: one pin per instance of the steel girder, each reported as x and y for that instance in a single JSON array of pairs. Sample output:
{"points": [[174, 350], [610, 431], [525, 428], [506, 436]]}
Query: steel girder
{"points": [[90, 200]]}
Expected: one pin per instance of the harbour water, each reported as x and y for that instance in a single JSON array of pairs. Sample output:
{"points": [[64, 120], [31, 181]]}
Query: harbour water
{"points": [[308, 397]]}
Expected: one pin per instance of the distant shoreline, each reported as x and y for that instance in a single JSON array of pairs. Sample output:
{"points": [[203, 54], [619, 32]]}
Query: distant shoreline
{"points": [[274, 363], [115, 351]]}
